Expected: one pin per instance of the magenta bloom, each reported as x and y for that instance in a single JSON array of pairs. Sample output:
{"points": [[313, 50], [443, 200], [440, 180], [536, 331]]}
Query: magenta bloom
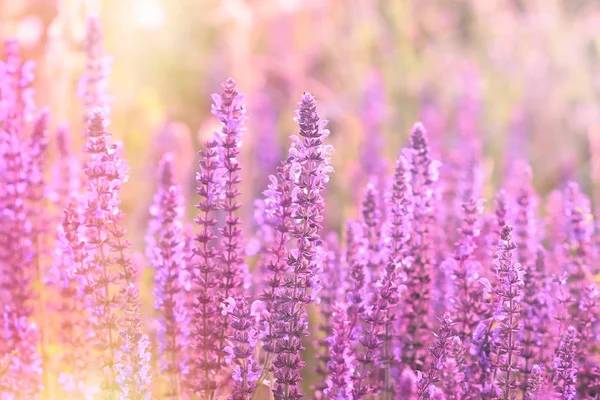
{"points": [[310, 169], [424, 174], [133, 368], [205, 331], [166, 255], [93, 85], [105, 241]]}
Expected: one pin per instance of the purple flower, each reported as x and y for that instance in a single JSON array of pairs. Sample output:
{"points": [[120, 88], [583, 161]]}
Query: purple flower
{"points": [[7, 383], [105, 240], [165, 251], [424, 174], [230, 110], [509, 276], [342, 362], [65, 171], [40, 222], [536, 315], [398, 226], [16, 99], [19, 227], [587, 333], [565, 365], [278, 209], [579, 228], [371, 226], [205, 331], [310, 169], [243, 340], [93, 84], [277, 223], [21, 336], [535, 383], [377, 333], [454, 374], [71, 263], [133, 367], [468, 302], [526, 216], [332, 279], [439, 351]]}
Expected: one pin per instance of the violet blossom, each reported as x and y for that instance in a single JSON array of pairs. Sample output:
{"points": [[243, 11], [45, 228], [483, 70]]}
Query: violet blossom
{"points": [[230, 110], [105, 241], [133, 366], [565, 365], [310, 169], [93, 84], [166, 241], [424, 174], [205, 330]]}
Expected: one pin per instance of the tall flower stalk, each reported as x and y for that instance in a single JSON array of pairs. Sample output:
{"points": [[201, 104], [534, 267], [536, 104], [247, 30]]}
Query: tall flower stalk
{"points": [[241, 349], [331, 278], [310, 169], [205, 331], [439, 351], [133, 366], [109, 266], [165, 251], [40, 224], [94, 82], [508, 292], [396, 238], [424, 175], [74, 324], [468, 301], [342, 363], [565, 365], [230, 110]]}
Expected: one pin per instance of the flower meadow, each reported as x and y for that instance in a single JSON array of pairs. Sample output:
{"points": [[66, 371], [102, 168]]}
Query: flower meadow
{"points": [[428, 292]]}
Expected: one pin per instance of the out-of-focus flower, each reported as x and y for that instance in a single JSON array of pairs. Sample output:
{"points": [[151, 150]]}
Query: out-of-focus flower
{"points": [[439, 351], [93, 84], [424, 174], [133, 367], [106, 240], [565, 365], [509, 277], [165, 253], [342, 363]]}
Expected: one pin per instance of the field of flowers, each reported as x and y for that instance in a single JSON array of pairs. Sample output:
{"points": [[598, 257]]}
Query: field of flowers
{"points": [[379, 199]]}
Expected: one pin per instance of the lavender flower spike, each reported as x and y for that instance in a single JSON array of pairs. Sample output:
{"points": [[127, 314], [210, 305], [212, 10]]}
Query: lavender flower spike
{"points": [[424, 174], [106, 243], [510, 282], [230, 110], [534, 384], [93, 84], [165, 253], [310, 169], [565, 365], [134, 366], [205, 332], [342, 364], [242, 347], [439, 351]]}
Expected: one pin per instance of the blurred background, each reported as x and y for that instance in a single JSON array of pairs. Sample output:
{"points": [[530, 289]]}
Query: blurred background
{"points": [[521, 75], [524, 76]]}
